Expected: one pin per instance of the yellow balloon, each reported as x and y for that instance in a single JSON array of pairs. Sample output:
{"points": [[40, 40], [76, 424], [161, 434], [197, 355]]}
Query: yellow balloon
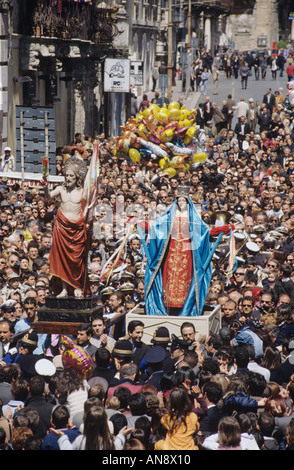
{"points": [[154, 107], [146, 112], [162, 115], [174, 114], [191, 131], [173, 105], [142, 131], [164, 163], [135, 155], [171, 172], [199, 157], [167, 135], [184, 113], [187, 140], [184, 123]]}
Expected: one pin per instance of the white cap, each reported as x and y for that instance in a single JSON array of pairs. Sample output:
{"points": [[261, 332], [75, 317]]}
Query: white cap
{"points": [[239, 236], [251, 246], [7, 149], [45, 367]]}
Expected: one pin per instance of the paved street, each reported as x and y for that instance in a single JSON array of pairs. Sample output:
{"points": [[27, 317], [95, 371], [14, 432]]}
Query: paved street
{"points": [[256, 89]]}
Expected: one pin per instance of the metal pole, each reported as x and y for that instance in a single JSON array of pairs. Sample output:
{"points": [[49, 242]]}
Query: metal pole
{"points": [[21, 146], [189, 26], [46, 136], [170, 45]]}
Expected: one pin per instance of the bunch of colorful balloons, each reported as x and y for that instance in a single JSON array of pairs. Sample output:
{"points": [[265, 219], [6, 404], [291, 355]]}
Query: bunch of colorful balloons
{"points": [[167, 137]]}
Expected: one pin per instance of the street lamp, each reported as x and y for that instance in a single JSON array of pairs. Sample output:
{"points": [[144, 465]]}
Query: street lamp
{"points": [[170, 45]]}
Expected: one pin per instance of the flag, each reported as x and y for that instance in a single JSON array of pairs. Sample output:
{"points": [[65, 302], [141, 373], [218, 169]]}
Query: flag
{"points": [[91, 182], [232, 258], [115, 259]]}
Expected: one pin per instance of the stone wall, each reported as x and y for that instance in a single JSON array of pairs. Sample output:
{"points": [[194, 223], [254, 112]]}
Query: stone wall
{"points": [[254, 30]]}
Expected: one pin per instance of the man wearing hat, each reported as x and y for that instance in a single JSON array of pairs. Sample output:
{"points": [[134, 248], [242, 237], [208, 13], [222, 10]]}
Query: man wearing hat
{"points": [[94, 284], [24, 356], [105, 296], [13, 285], [122, 353], [161, 337], [178, 348], [155, 357], [7, 161], [127, 288], [8, 310]]}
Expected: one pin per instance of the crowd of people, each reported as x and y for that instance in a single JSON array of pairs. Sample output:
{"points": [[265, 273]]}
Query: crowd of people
{"points": [[230, 390], [239, 65]]}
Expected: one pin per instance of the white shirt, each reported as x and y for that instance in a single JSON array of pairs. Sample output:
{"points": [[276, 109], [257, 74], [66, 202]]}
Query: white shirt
{"points": [[254, 367]]}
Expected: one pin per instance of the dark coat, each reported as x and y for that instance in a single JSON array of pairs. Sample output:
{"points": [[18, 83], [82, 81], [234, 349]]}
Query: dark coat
{"points": [[264, 121], [209, 423], [44, 410], [283, 373], [271, 103], [139, 353]]}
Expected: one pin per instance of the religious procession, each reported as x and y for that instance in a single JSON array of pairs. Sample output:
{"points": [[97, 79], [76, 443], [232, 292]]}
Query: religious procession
{"points": [[147, 287]]}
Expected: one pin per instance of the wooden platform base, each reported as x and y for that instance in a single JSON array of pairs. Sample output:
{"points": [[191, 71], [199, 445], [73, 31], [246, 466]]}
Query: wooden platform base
{"points": [[64, 316], [56, 328]]}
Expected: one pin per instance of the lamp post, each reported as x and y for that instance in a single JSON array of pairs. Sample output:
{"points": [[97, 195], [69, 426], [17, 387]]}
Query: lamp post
{"points": [[189, 25], [170, 45]]}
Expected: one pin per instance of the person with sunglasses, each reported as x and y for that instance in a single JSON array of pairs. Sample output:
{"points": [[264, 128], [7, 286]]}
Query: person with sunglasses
{"points": [[266, 310]]}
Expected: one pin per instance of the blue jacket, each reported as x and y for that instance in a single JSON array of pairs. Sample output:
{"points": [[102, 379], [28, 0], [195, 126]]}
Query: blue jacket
{"points": [[239, 402], [50, 441]]}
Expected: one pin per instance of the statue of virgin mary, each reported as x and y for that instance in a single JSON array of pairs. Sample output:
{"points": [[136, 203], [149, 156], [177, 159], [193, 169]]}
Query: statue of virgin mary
{"points": [[176, 282]]}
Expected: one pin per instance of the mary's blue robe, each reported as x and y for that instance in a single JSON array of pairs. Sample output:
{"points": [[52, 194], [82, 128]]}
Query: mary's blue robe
{"points": [[157, 250]]}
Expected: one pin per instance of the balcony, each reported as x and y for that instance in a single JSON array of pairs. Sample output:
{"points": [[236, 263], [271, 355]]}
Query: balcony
{"points": [[69, 19]]}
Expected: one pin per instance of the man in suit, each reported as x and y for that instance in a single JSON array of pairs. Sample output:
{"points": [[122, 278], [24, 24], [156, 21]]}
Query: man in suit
{"points": [[212, 393], [241, 129], [207, 110], [269, 100], [264, 119], [230, 103], [6, 332], [218, 117], [135, 332], [252, 115]]}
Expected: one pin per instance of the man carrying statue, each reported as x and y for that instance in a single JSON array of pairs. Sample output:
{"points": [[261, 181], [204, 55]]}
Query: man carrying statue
{"points": [[68, 255]]}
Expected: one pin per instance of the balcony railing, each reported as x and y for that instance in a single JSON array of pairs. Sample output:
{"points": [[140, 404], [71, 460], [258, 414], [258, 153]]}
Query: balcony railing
{"points": [[68, 19]]}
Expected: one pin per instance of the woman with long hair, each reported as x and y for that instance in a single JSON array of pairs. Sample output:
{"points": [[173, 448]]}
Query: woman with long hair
{"points": [[180, 422], [96, 434]]}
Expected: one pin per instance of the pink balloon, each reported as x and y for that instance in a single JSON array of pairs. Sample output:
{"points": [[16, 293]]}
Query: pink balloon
{"points": [[77, 357]]}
